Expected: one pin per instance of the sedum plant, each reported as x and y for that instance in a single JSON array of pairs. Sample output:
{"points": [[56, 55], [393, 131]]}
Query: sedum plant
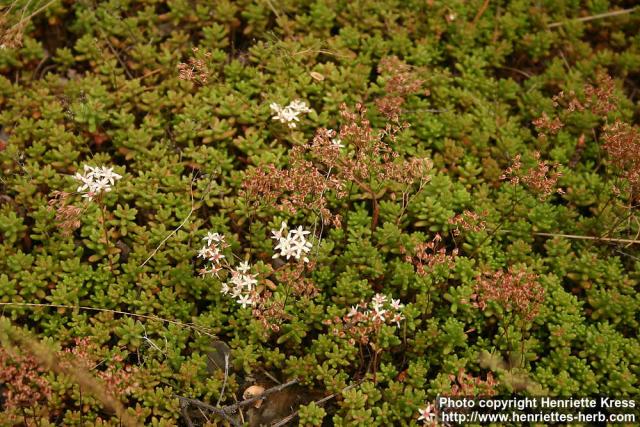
{"points": [[333, 203]]}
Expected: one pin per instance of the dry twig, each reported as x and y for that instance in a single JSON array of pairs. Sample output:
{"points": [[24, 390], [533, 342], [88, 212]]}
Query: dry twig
{"points": [[593, 17]]}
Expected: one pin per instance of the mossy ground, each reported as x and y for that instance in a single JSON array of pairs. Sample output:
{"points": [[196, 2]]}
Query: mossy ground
{"points": [[98, 83]]}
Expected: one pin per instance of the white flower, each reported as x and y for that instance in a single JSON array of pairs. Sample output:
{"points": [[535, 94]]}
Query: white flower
{"points": [[236, 292], [298, 234], [353, 311], [225, 289], [299, 106], [278, 234], [275, 107], [243, 267], [241, 281], [212, 238], [96, 180], [212, 270], [289, 114], [295, 244], [245, 300], [299, 247], [396, 305], [397, 318], [249, 281], [378, 300], [284, 245], [427, 414], [205, 252], [378, 313], [109, 175], [210, 253]]}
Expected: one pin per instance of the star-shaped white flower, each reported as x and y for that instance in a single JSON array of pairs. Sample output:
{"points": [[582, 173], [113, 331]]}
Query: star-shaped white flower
{"points": [[225, 289], [299, 233], [205, 252], [396, 305], [277, 234], [212, 238], [378, 314], [299, 106], [337, 143], [109, 175], [427, 414], [397, 318], [243, 267], [245, 300], [378, 300], [212, 270], [96, 180], [289, 114]]}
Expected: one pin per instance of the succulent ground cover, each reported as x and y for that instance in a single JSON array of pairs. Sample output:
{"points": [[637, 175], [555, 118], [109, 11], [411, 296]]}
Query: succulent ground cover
{"points": [[319, 212]]}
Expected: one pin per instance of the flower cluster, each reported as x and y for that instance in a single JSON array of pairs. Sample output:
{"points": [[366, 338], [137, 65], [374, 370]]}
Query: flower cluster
{"points": [[465, 385], [400, 82], [196, 70], [11, 35], [364, 320], [622, 144], [515, 290], [116, 380], [541, 179], [600, 99], [431, 254], [269, 311], [545, 124], [23, 382], [96, 179], [214, 243], [67, 215], [294, 244], [289, 114], [468, 221], [304, 185], [242, 285]]}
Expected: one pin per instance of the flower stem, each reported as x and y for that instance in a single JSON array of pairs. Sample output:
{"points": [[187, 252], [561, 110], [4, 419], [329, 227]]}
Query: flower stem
{"points": [[103, 214]]}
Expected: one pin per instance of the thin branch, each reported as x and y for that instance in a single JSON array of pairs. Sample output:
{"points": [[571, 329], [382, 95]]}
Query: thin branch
{"points": [[226, 375], [106, 310], [184, 409], [481, 12], [578, 237], [225, 411], [175, 230], [322, 401], [185, 402], [264, 394], [593, 17], [37, 11]]}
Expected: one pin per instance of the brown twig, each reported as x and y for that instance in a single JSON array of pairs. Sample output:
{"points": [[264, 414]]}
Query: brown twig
{"points": [[578, 237], [481, 12], [322, 401], [593, 17], [225, 411], [185, 402], [125, 313]]}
